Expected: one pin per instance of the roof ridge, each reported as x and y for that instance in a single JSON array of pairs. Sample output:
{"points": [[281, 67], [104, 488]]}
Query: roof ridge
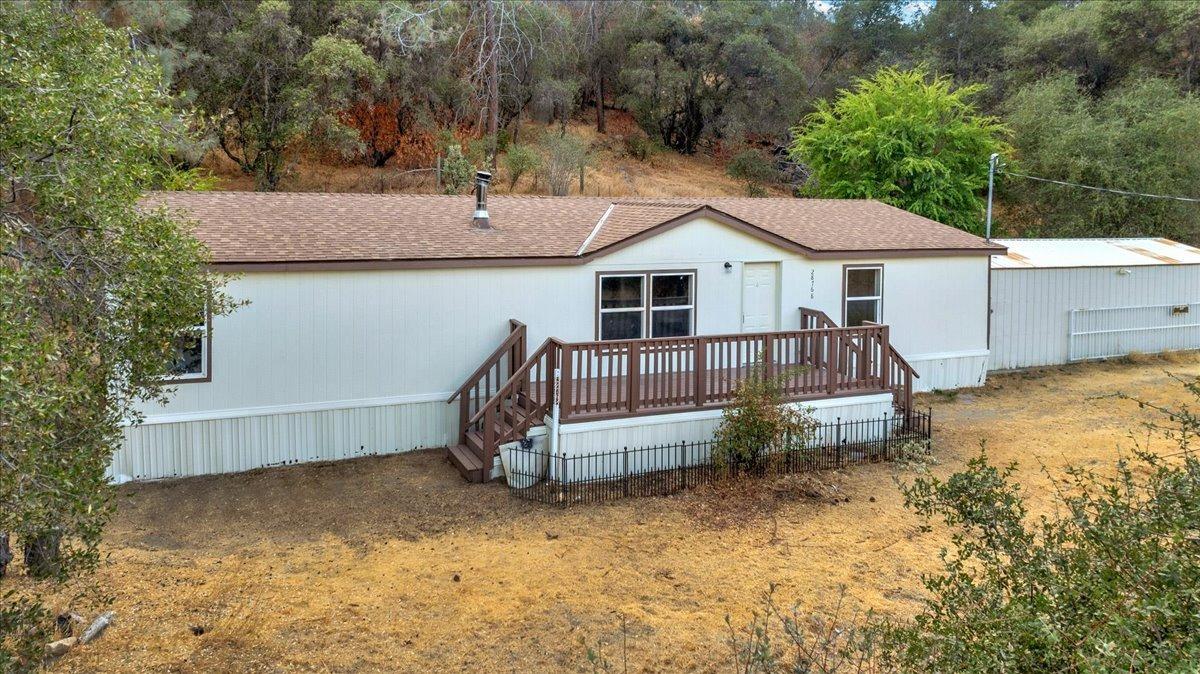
{"points": [[660, 203]]}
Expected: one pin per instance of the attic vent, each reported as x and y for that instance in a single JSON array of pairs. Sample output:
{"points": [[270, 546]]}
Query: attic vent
{"points": [[481, 219]]}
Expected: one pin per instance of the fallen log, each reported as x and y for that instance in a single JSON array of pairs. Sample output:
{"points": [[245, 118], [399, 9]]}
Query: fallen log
{"points": [[97, 627]]}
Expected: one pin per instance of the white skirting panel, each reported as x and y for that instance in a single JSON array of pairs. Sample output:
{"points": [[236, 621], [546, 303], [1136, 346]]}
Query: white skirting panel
{"points": [[607, 436], [237, 443], [946, 371]]}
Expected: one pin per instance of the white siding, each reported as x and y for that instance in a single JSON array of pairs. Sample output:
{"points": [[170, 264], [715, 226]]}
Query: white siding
{"points": [[596, 437], [290, 369], [950, 371], [1031, 307], [233, 444]]}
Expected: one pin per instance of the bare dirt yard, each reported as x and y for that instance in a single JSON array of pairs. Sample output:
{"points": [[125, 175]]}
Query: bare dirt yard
{"points": [[395, 564]]}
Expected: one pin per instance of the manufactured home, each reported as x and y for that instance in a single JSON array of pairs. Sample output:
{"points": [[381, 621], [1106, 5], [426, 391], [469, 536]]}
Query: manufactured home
{"points": [[386, 323]]}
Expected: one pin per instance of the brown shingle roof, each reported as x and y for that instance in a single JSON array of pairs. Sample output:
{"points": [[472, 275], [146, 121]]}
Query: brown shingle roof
{"points": [[295, 227]]}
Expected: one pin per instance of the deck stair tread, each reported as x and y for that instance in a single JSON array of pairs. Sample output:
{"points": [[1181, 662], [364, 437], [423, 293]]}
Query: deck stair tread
{"points": [[467, 462]]}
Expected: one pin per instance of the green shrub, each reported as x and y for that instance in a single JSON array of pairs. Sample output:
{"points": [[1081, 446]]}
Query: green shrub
{"points": [[457, 171], [758, 426], [519, 160], [642, 148], [754, 169], [566, 157], [1109, 582]]}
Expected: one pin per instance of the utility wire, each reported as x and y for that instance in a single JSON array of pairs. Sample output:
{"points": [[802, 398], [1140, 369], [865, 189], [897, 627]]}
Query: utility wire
{"points": [[1126, 193]]}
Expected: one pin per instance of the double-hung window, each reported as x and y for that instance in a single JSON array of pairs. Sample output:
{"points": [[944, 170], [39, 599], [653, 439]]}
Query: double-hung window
{"points": [[191, 361], [863, 297], [636, 305]]}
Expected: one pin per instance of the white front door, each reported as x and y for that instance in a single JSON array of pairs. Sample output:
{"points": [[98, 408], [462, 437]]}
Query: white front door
{"points": [[760, 304]]}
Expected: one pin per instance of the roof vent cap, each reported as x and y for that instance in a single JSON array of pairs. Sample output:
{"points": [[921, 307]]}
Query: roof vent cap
{"points": [[481, 219]]}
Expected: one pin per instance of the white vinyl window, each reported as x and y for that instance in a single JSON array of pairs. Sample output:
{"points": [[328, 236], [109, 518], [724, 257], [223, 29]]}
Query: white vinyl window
{"points": [[648, 304], [191, 354], [622, 306], [863, 295], [672, 304]]}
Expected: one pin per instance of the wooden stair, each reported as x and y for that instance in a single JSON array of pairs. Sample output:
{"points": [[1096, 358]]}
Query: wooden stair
{"points": [[468, 463], [497, 404], [468, 457]]}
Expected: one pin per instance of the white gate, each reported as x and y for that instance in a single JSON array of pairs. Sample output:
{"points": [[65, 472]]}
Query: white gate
{"points": [[1119, 331]]}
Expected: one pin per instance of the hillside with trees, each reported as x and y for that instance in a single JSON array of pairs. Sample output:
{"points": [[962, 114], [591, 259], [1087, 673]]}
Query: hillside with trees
{"points": [[366, 96]]}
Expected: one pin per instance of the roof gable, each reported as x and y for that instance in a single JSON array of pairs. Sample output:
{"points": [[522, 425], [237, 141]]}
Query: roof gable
{"points": [[627, 235]]}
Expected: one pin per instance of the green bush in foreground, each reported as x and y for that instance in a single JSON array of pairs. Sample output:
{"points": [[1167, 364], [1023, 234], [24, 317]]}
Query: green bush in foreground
{"points": [[1110, 582]]}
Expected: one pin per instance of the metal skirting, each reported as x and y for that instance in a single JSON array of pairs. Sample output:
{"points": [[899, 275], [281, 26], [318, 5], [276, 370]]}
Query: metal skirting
{"points": [[1111, 332]]}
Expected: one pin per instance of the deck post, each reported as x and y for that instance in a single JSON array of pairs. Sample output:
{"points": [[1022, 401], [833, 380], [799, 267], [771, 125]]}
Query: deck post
{"points": [[700, 360], [831, 361], [489, 443], [567, 373], [885, 358], [634, 374], [464, 413], [769, 356]]}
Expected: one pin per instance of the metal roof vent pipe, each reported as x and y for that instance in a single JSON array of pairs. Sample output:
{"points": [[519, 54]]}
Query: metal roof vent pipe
{"points": [[481, 219]]}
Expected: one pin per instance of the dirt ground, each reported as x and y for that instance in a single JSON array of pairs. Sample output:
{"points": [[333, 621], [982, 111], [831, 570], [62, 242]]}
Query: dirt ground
{"points": [[395, 564]]}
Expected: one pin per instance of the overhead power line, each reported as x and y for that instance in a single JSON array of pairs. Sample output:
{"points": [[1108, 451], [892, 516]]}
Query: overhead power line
{"points": [[1126, 193]]}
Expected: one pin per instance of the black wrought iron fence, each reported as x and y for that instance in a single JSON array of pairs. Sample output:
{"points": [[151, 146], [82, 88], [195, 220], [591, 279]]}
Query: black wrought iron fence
{"points": [[665, 469]]}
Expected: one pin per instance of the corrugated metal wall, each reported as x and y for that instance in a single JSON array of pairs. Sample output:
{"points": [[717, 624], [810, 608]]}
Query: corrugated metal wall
{"points": [[184, 449], [1031, 309]]}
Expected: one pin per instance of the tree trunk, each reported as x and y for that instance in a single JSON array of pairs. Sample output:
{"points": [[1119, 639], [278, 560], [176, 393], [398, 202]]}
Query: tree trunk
{"points": [[597, 69], [493, 81], [601, 123], [42, 555], [5, 554]]}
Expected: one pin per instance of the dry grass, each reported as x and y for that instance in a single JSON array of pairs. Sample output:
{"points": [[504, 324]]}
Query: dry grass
{"points": [[394, 564], [612, 172]]}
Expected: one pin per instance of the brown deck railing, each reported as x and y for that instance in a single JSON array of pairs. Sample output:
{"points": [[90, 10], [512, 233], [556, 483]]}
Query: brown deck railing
{"points": [[603, 380], [812, 319], [514, 408], [487, 379], [509, 394]]}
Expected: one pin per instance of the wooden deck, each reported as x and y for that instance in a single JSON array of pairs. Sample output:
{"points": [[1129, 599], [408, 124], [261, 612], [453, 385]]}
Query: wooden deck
{"points": [[511, 393]]}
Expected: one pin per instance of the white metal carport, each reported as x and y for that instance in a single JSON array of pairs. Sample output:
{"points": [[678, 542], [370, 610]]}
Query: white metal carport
{"points": [[1056, 301]]}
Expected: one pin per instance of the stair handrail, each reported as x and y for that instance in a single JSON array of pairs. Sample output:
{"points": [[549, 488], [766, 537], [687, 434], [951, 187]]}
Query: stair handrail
{"points": [[516, 332], [819, 319], [903, 388], [519, 372]]}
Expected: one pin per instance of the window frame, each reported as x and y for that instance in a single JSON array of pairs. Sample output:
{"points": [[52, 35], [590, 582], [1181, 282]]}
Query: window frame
{"points": [[600, 310], [647, 307], [205, 374], [846, 298]]}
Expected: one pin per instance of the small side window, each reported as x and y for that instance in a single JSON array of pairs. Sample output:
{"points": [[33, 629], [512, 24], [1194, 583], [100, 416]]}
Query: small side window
{"points": [[191, 354], [863, 300]]}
